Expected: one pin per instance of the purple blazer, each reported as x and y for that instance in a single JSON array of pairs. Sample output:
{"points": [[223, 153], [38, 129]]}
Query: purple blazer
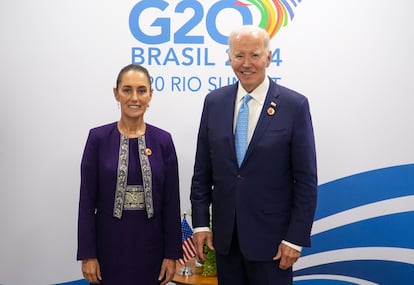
{"points": [[272, 195], [134, 241]]}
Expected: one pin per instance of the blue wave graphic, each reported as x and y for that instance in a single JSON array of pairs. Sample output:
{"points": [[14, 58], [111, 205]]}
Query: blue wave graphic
{"points": [[363, 231], [77, 282]]}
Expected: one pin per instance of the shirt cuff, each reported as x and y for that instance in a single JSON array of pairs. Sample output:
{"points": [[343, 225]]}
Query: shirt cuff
{"points": [[294, 246], [201, 229]]}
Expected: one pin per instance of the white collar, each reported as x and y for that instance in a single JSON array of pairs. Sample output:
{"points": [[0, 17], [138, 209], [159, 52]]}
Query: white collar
{"points": [[258, 94]]}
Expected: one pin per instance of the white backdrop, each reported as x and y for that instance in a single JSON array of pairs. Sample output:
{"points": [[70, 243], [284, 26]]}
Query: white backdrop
{"points": [[59, 60]]}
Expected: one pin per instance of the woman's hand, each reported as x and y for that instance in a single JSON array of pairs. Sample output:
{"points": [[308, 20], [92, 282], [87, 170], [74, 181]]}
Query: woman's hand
{"points": [[91, 270], [167, 271]]}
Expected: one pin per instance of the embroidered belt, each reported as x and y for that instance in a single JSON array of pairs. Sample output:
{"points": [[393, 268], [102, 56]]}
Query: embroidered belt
{"points": [[134, 198], [125, 195]]}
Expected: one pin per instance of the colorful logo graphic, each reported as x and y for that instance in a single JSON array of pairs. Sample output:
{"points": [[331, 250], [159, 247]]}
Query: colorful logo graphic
{"points": [[274, 14], [157, 28]]}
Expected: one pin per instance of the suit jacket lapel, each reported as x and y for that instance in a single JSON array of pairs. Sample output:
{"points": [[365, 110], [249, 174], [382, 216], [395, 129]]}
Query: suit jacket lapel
{"points": [[268, 113]]}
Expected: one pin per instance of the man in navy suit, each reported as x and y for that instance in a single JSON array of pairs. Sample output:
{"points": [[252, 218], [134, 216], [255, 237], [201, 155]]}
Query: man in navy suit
{"points": [[263, 206]]}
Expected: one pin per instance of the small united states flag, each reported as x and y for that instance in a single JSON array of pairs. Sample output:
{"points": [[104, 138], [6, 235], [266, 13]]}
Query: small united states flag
{"points": [[189, 250]]}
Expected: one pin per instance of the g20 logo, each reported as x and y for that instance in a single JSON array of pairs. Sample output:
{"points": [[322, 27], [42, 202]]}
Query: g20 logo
{"points": [[274, 15], [182, 34]]}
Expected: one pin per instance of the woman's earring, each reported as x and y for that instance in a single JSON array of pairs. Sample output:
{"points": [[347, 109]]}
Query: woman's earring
{"points": [[118, 105]]}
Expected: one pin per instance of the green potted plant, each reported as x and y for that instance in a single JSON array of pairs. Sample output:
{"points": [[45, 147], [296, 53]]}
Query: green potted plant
{"points": [[209, 265]]}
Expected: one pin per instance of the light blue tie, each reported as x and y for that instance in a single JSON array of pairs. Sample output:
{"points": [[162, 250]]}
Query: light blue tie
{"points": [[240, 134]]}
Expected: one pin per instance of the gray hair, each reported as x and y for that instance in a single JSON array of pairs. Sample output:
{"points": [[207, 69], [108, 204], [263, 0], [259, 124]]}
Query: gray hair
{"points": [[252, 30]]}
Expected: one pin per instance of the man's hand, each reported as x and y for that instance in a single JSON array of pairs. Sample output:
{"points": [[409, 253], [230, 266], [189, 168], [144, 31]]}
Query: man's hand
{"points": [[200, 239], [91, 270], [287, 255]]}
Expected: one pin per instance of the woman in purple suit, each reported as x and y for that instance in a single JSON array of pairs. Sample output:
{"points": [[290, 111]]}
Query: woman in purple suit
{"points": [[129, 229]]}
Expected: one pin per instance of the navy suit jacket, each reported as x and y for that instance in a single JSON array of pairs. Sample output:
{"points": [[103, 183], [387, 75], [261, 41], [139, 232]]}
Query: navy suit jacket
{"points": [[272, 195]]}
